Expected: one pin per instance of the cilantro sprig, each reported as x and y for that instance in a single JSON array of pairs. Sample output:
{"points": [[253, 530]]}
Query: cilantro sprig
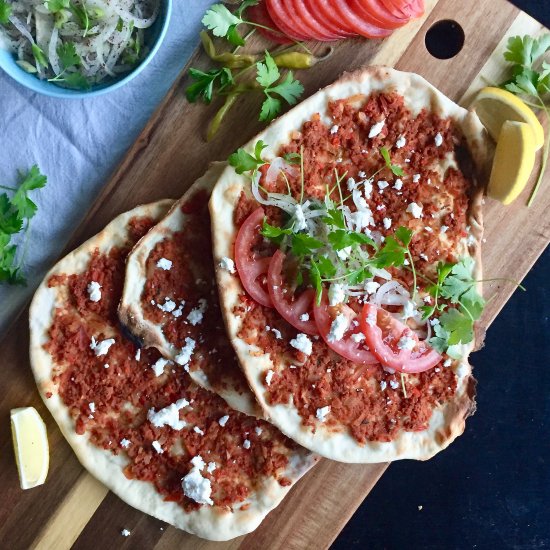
{"points": [[243, 161], [5, 12], [531, 81], [70, 61], [15, 216]]}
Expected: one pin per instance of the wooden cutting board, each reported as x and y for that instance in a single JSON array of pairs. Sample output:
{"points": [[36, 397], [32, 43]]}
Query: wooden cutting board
{"points": [[73, 508]]}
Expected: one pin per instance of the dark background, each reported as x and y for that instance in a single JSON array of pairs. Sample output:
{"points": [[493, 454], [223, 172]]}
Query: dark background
{"points": [[491, 487]]}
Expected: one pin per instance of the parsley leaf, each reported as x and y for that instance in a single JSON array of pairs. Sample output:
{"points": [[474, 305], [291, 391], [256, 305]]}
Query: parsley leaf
{"points": [[458, 327], [342, 238], [76, 80], [220, 20], [396, 170], [268, 72], [394, 250], [303, 244], [39, 55], [67, 55], [34, 180], [243, 161], [54, 6], [271, 107], [274, 233], [205, 83], [335, 217], [5, 12], [459, 285]]}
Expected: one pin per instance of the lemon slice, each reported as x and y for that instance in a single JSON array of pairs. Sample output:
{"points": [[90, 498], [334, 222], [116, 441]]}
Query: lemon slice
{"points": [[30, 444], [495, 106], [513, 163]]}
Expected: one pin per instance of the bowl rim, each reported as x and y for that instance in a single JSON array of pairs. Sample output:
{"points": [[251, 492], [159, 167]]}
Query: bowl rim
{"points": [[51, 90]]}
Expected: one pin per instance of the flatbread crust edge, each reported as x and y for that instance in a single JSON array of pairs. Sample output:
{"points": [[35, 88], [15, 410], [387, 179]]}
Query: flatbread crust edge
{"points": [[210, 523], [447, 422], [130, 310]]}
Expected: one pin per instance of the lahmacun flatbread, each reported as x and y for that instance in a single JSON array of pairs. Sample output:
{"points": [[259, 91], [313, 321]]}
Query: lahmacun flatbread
{"points": [[170, 296], [141, 426], [366, 196]]}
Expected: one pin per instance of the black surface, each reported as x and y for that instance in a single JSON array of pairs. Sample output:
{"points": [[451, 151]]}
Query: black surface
{"points": [[491, 487]]}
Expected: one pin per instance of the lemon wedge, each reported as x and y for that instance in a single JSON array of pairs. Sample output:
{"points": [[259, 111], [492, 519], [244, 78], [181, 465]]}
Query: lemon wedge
{"points": [[495, 106], [513, 163], [30, 444]]}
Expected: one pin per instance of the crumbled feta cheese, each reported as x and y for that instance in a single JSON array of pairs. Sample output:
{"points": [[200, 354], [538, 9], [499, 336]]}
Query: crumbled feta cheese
{"points": [[447, 363], [415, 210], [196, 315], [427, 299], [101, 348], [409, 310], [338, 328], [407, 343], [434, 322], [223, 420], [334, 129], [169, 416], [438, 140], [299, 218], [429, 229], [197, 488], [358, 337], [304, 317], [336, 294], [125, 533], [106, 366], [94, 291], [322, 413], [388, 369], [258, 430], [368, 187], [344, 253], [246, 444], [401, 142], [416, 178], [302, 343], [387, 223], [383, 385], [394, 384], [269, 377], [211, 467], [184, 356], [380, 207], [376, 128], [276, 333], [423, 257], [398, 184], [382, 184], [228, 264], [158, 367], [168, 306], [443, 228], [165, 264], [371, 287], [198, 462], [362, 174], [125, 443], [197, 430], [351, 184], [92, 407], [158, 447], [138, 354]]}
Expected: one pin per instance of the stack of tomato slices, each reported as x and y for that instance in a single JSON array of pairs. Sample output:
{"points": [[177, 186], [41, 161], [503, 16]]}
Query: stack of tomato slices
{"points": [[328, 20], [373, 334]]}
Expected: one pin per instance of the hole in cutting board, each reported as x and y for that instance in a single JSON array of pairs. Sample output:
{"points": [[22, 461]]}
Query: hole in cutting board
{"points": [[445, 39]]}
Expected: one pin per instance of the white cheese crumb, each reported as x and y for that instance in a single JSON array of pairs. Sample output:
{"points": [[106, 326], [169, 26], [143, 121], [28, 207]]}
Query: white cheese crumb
{"points": [[416, 178], [443, 228], [338, 328], [398, 184], [394, 384], [299, 218], [197, 488], [362, 174], [371, 287], [169, 416], [198, 462], [334, 129], [276, 333], [383, 385], [434, 322], [407, 343], [211, 467], [388, 369], [168, 306], [125, 443], [382, 184], [184, 356], [423, 257], [223, 420], [409, 310], [376, 128], [415, 210], [304, 317], [447, 363], [165, 264], [138, 354], [125, 533], [438, 140], [196, 315], [427, 299], [269, 377], [101, 348], [302, 343], [344, 253], [322, 413], [158, 367], [380, 207], [106, 366], [351, 184], [336, 294], [246, 444], [158, 447], [94, 291], [387, 223], [228, 264], [358, 337], [258, 430], [92, 407], [401, 142], [197, 430]]}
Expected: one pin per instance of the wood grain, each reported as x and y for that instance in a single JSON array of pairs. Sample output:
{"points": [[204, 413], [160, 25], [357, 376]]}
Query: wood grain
{"points": [[73, 509]]}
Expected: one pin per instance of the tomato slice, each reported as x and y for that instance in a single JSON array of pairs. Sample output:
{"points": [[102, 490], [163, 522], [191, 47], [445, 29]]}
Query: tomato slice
{"points": [[291, 310], [316, 28], [260, 15], [383, 332], [358, 22], [408, 8], [326, 11], [252, 269], [283, 21], [346, 347], [379, 13]]}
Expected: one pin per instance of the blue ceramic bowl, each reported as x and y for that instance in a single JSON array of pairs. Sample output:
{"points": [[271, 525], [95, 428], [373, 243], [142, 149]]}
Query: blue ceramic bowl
{"points": [[155, 36]]}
